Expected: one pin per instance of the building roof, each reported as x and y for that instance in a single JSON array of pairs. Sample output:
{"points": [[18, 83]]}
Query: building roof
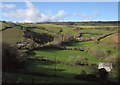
{"points": [[106, 66]]}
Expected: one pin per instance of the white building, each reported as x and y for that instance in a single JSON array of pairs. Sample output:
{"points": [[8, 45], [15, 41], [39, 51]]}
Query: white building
{"points": [[107, 66], [22, 43]]}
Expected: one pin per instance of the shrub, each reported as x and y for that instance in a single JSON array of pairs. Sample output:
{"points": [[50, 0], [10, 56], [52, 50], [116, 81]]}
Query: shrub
{"points": [[98, 53], [102, 73], [77, 60], [57, 40], [81, 76], [85, 76], [118, 63], [111, 59], [11, 58]]}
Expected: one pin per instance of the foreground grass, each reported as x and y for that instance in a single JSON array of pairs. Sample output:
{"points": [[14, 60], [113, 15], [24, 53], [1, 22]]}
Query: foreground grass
{"points": [[27, 78], [61, 71], [45, 72], [55, 69]]}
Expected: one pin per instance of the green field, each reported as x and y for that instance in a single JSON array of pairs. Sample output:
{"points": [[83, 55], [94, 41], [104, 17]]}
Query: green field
{"points": [[64, 55], [64, 71], [96, 31], [91, 45], [89, 26], [37, 79], [53, 69], [12, 35]]}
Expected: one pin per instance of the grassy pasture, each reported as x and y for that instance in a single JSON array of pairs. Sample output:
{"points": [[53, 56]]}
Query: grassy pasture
{"points": [[91, 45], [88, 35], [12, 35], [112, 39], [56, 28], [42, 31], [28, 79], [54, 69], [96, 31], [85, 26], [64, 55], [4, 25], [107, 40], [52, 28], [97, 24]]}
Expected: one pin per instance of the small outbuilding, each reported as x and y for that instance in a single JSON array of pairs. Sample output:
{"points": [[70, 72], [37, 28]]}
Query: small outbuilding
{"points": [[107, 66], [23, 43]]}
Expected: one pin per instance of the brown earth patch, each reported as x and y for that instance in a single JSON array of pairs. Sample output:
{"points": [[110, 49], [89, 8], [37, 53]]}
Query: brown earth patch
{"points": [[116, 37]]}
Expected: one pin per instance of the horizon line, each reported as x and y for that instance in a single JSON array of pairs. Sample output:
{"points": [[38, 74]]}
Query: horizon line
{"points": [[62, 21]]}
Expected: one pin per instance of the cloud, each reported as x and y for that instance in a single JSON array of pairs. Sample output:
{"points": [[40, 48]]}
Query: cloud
{"points": [[86, 17], [30, 14], [7, 6], [33, 14], [11, 14], [83, 16], [96, 14], [60, 15]]}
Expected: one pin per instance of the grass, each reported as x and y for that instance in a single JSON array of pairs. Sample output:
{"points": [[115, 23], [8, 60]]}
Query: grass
{"points": [[107, 40], [54, 69], [88, 35], [52, 28], [69, 31], [42, 31], [64, 55], [25, 78], [65, 71], [4, 25], [96, 31], [66, 29], [85, 26], [91, 45], [12, 35], [56, 28]]}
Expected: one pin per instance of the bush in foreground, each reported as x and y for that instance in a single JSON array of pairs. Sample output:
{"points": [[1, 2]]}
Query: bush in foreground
{"points": [[12, 59]]}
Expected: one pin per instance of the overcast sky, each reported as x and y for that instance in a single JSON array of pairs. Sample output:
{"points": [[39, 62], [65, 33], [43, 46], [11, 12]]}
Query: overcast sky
{"points": [[59, 11]]}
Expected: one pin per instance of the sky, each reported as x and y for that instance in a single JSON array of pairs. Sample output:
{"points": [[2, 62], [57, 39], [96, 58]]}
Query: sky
{"points": [[58, 11], [61, 0]]}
